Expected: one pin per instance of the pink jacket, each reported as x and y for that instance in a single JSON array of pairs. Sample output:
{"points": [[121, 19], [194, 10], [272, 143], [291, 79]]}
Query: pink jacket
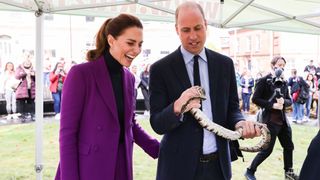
{"points": [[22, 90]]}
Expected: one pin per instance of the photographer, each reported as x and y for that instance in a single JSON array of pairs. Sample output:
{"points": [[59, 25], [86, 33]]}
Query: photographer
{"points": [[271, 93], [57, 77], [26, 91]]}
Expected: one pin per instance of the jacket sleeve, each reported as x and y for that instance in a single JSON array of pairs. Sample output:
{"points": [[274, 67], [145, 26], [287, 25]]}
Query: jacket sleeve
{"points": [[162, 119], [53, 77], [20, 73], [72, 107], [147, 143], [259, 93]]}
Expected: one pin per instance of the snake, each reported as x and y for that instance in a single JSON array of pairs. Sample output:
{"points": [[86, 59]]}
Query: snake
{"points": [[219, 130]]}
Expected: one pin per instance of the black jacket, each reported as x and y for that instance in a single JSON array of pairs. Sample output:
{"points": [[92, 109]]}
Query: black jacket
{"points": [[264, 96]]}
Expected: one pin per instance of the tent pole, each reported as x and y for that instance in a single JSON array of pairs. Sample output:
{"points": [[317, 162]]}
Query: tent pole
{"points": [[39, 94]]}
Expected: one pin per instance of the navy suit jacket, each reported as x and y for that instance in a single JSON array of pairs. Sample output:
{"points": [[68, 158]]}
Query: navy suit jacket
{"points": [[182, 142], [310, 168]]}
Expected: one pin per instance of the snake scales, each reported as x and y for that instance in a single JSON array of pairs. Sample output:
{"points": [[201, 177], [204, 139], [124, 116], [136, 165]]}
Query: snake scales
{"points": [[206, 123]]}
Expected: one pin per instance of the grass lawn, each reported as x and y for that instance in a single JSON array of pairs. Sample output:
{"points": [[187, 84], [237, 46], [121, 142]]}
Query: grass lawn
{"points": [[17, 154]]}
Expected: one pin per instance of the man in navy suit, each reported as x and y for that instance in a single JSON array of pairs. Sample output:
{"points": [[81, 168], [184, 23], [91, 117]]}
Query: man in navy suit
{"points": [[187, 151], [310, 168]]}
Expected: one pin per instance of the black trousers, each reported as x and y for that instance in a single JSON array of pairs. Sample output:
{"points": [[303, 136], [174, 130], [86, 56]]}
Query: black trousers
{"points": [[284, 135], [26, 105], [209, 171]]}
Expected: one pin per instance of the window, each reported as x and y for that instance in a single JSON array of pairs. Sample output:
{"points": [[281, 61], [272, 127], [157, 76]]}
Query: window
{"points": [[89, 18], [258, 43], [238, 45], [48, 17], [225, 42], [146, 52], [248, 44], [164, 52]]}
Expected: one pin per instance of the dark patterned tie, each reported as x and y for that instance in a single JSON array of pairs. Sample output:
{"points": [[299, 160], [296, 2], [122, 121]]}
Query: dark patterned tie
{"points": [[196, 75]]}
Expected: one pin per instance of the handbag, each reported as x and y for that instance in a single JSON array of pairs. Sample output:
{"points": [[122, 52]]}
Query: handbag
{"points": [[15, 83]]}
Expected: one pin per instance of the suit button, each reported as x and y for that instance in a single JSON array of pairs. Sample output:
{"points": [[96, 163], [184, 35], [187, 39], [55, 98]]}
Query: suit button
{"points": [[99, 128]]}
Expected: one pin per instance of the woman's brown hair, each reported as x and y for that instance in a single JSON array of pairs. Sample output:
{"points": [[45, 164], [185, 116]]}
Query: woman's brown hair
{"points": [[115, 27]]}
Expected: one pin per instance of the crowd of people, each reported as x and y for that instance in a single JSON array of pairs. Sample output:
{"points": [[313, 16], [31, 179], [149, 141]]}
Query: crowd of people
{"points": [[306, 83], [17, 85]]}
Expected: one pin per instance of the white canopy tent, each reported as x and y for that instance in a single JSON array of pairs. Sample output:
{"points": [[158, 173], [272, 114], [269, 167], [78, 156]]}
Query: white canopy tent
{"points": [[301, 16]]}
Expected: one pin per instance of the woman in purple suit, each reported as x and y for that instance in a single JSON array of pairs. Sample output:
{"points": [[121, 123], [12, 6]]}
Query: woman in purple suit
{"points": [[98, 128]]}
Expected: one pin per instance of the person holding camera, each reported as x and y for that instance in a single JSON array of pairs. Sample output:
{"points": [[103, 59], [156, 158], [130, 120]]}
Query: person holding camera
{"points": [[57, 77], [271, 93], [26, 91]]}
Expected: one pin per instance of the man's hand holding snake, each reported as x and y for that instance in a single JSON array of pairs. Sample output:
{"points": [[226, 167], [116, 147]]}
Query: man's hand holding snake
{"points": [[187, 101], [249, 129]]}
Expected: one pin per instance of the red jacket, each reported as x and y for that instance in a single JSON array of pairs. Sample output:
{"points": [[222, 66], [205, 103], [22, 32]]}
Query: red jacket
{"points": [[54, 81]]}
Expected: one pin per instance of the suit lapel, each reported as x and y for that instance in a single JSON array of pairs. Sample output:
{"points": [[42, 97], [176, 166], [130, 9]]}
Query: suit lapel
{"points": [[213, 78], [180, 69], [104, 84]]}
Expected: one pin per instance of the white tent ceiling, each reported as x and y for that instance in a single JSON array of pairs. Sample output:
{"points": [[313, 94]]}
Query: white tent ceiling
{"points": [[302, 16]]}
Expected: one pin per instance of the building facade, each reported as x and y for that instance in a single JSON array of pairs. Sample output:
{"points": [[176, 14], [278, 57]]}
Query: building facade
{"points": [[254, 49]]}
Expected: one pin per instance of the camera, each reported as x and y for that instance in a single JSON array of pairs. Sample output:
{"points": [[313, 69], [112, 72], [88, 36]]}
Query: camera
{"points": [[278, 80]]}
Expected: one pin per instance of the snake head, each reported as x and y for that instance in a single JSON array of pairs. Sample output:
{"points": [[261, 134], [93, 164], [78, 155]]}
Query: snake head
{"points": [[202, 93]]}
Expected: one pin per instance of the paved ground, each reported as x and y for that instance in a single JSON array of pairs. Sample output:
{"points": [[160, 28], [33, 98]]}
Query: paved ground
{"points": [[49, 117]]}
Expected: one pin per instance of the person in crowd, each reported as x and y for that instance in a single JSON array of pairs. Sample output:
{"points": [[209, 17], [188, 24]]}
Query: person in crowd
{"points": [[9, 85], [272, 94], [134, 71], [311, 164], [26, 91], [46, 72], [69, 66], [246, 83], [259, 75], [187, 150], [312, 89], [97, 125], [144, 85], [317, 73], [57, 77], [295, 83], [310, 67], [238, 78]]}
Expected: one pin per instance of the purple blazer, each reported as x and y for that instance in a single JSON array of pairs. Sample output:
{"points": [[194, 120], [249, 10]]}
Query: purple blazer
{"points": [[89, 125]]}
